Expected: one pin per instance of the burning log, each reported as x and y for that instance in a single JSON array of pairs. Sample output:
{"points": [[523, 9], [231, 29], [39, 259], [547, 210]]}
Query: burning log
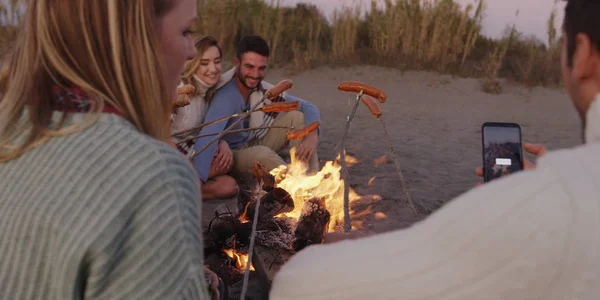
{"points": [[278, 234], [272, 203], [243, 234], [223, 228], [312, 224]]}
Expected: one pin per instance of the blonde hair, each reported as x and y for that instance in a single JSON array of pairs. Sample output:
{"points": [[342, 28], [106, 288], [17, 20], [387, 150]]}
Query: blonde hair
{"points": [[192, 65], [106, 48]]}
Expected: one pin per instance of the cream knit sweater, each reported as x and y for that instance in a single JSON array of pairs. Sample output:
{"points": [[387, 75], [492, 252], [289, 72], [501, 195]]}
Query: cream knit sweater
{"points": [[532, 235]]}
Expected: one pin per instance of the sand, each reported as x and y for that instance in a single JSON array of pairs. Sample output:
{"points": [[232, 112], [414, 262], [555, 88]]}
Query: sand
{"points": [[434, 121]]}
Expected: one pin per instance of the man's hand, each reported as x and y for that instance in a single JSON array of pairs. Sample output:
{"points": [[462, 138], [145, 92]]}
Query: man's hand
{"points": [[223, 160], [214, 283], [537, 150], [308, 146]]}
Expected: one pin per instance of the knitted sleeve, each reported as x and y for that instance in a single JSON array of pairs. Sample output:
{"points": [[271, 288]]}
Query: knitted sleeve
{"points": [[493, 242], [152, 248]]}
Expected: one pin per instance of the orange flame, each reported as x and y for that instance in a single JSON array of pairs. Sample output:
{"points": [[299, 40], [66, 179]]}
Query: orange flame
{"points": [[349, 159], [327, 184], [241, 260]]}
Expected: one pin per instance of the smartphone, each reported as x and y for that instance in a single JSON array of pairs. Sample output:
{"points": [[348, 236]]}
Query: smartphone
{"points": [[502, 149]]}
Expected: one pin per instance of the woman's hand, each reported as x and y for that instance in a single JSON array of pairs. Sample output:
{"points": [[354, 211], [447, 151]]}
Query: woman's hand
{"points": [[181, 101], [214, 283], [223, 160], [183, 95]]}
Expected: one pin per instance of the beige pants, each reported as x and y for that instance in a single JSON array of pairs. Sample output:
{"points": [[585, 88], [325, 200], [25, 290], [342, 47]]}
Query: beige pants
{"points": [[266, 149]]}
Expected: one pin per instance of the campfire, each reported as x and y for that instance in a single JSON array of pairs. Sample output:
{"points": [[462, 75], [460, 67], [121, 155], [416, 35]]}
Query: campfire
{"points": [[284, 210], [302, 207], [296, 210]]}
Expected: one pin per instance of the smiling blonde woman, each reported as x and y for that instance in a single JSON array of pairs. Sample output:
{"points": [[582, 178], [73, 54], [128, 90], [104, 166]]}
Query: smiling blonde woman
{"points": [[94, 204], [203, 72]]}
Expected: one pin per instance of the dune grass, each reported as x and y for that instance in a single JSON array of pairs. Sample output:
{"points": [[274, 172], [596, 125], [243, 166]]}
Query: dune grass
{"points": [[429, 35]]}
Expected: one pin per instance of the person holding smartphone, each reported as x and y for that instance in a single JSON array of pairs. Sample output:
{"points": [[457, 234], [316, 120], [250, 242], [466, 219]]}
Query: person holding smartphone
{"points": [[533, 234]]}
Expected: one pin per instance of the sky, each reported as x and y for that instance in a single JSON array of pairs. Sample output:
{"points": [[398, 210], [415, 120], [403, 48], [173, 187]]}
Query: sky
{"points": [[532, 18]]}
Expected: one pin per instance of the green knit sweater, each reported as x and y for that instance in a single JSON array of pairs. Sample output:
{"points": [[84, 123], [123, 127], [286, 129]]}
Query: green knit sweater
{"points": [[105, 213]]}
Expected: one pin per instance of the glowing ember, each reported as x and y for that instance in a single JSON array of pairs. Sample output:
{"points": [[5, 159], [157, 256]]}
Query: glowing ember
{"points": [[241, 260], [326, 184], [349, 159], [370, 183], [380, 160], [380, 216]]}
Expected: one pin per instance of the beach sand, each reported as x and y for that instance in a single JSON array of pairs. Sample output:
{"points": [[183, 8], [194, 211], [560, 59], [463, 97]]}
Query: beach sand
{"points": [[434, 122]]}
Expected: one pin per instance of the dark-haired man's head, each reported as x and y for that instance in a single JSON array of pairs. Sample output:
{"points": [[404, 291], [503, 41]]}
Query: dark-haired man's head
{"points": [[251, 61], [580, 58]]}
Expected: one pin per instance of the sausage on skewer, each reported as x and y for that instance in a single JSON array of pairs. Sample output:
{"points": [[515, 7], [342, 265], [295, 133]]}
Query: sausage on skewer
{"points": [[372, 105], [278, 89], [356, 87], [299, 134]]}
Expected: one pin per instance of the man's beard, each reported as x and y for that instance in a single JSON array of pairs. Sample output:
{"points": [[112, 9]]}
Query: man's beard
{"points": [[242, 79]]}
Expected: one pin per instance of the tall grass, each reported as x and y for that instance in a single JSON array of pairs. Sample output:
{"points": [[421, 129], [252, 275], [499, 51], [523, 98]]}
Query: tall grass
{"points": [[436, 35]]}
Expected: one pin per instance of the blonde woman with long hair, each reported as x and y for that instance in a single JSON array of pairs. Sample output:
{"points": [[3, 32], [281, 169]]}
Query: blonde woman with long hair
{"points": [[94, 203], [203, 72]]}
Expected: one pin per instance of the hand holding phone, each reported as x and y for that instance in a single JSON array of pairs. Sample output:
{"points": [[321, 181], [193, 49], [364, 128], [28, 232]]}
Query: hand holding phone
{"points": [[536, 150], [502, 149]]}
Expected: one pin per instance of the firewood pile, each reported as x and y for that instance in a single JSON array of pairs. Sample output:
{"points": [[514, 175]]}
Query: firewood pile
{"points": [[229, 233]]}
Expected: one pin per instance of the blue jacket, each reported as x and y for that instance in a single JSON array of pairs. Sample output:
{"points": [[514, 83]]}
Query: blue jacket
{"points": [[227, 101]]}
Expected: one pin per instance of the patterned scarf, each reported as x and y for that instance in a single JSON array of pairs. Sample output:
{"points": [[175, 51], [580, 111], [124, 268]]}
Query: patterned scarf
{"points": [[261, 119], [74, 100], [256, 119]]}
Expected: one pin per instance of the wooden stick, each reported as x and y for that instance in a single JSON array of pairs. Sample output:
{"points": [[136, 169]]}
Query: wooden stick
{"points": [[251, 247], [272, 107], [228, 129], [194, 137], [402, 182], [271, 93], [345, 175], [375, 110], [182, 132]]}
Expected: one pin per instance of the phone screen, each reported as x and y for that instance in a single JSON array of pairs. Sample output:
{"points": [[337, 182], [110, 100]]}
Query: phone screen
{"points": [[502, 150]]}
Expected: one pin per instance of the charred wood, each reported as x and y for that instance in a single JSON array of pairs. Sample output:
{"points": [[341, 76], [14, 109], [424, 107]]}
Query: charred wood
{"points": [[312, 223]]}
